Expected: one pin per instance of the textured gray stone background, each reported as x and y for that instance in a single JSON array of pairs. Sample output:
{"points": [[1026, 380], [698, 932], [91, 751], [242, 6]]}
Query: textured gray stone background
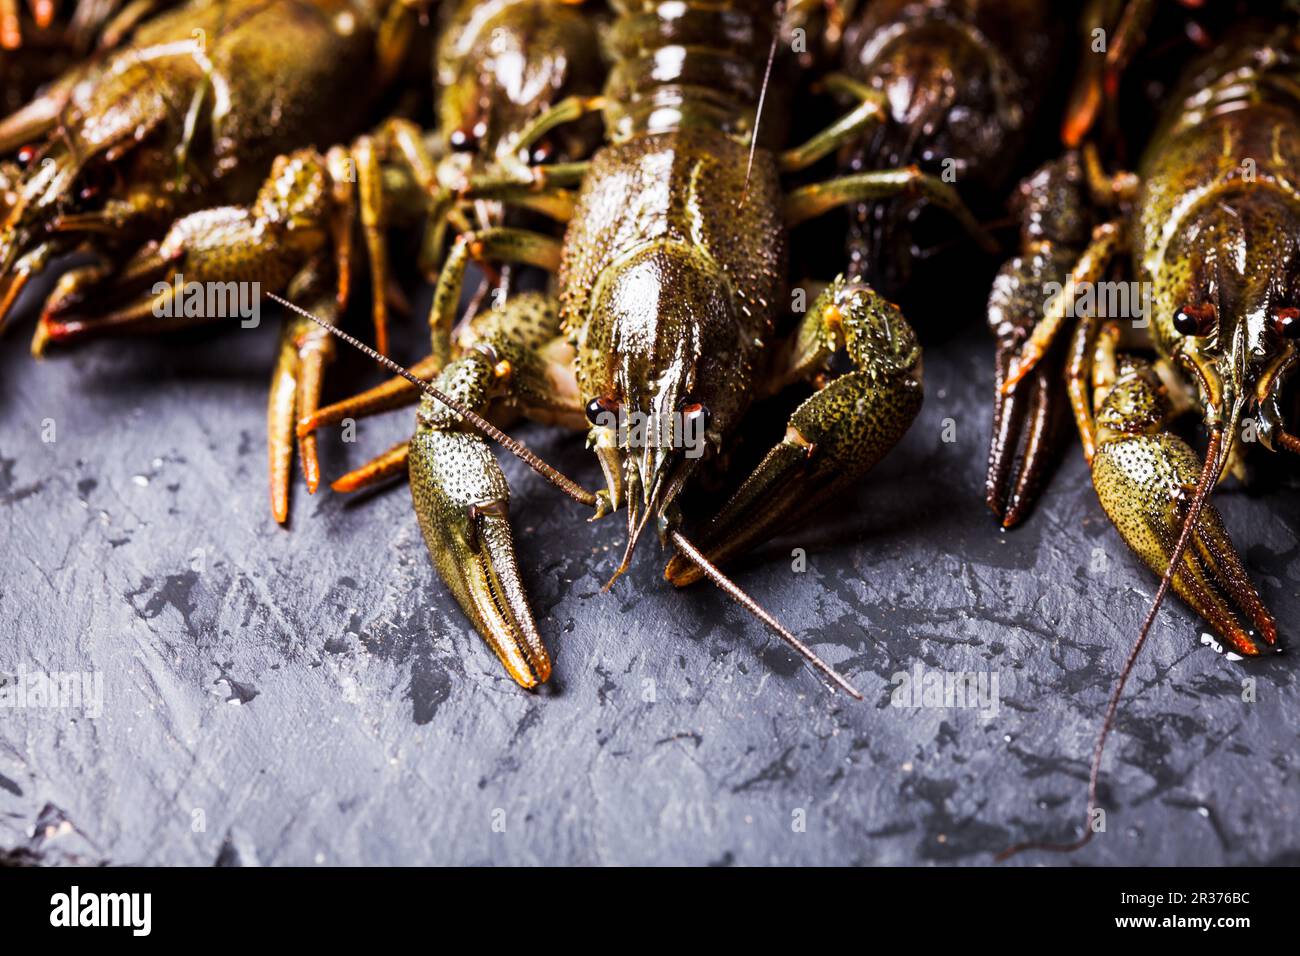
{"points": [[318, 696]]}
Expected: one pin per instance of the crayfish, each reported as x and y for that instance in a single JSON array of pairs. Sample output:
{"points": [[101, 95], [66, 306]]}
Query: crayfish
{"points": [[296, 235], [192, 109], [1209, 221], [668, 281], [959, 87], [499, 69]]}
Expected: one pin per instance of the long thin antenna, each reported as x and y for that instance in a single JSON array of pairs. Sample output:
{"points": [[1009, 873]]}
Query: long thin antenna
{"points": [[754, 608], [1208, 475], [481, 424], [762, 98]]}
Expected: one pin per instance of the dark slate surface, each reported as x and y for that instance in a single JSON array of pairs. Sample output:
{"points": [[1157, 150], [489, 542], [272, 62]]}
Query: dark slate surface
{"points": [[315, 696]]}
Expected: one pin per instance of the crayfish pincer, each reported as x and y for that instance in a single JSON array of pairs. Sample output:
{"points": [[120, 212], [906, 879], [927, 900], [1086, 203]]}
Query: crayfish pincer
{"points": [[663, 324]]}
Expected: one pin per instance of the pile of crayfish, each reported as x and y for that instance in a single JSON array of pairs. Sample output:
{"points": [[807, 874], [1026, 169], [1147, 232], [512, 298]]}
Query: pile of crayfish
{"points": [[659, 169]]}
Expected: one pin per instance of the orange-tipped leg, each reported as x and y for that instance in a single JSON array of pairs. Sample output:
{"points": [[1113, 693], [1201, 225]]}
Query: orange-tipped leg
{"points": [[391, 464], [305, 349], [393, 393], [1097, 84], [1091, 266], [16, 279]]}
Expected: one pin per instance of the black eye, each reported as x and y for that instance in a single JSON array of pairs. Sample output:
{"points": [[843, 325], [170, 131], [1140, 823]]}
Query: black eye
{"points": [[1195, 320], [1286, 323], [696, 409], [541, 153], [464, 140], [597, 408]]}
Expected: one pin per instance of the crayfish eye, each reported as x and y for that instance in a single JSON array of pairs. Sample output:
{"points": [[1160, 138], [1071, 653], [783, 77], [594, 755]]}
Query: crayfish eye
{"points": [[466, 138], [599, 408], [696, 410], [541, 153], [1195, 320], [1286, 323]]}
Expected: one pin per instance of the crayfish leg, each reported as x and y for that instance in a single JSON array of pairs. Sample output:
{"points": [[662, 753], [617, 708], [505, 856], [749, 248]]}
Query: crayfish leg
{"points": [[305, 349], [396, 392], [833, 438], [390, 464]]}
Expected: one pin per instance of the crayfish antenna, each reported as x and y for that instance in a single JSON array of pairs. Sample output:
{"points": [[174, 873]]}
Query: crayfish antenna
{"points": [[1209, 475], [762, 99], [714, 574], [476, 421]]}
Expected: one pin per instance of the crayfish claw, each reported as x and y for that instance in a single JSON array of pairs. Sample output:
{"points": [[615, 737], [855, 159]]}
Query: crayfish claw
{"points": [[1144, 476], [1144, 485], [462, 501], [1026, 433], [1028, 402]]}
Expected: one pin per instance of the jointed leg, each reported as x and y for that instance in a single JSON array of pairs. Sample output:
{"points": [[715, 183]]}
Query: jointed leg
{"points": [[1086, 361], [394, 393], [547, 190], [811, 201], [1099, 74], [568, 110], [1091, 266], [13, 283], [394, 141], [390, 464], [502, 245], [369, 188], [869, 112], [342, 218], [834, 437], [305, 349]]}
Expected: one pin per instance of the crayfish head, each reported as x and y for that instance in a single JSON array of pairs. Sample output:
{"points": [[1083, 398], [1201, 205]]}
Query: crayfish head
{"points": [[1229, 313], [500, 66], [665, 366]]}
